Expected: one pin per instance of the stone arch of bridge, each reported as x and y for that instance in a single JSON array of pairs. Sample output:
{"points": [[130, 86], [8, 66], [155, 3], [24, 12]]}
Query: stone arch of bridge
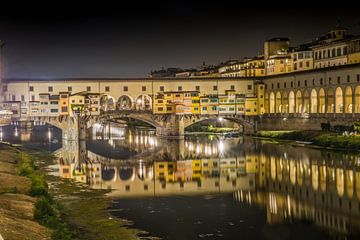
{"points": [[248, 126], [146, 118]]}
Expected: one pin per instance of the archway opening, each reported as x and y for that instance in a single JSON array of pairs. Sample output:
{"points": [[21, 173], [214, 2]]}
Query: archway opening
{"points": [[107, 103], [291, 102], [321, 100], [348, 100], [314, 101], [299, 102], [278, 103], [143, 102], [331, 101], [285, 103], [306, 107], [124, 103], [357, 99], [339, 104], [108, 173], [272, 102]]}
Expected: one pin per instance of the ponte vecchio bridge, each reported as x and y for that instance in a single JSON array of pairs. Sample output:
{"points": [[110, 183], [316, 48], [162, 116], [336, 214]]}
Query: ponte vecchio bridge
{"points": [[299, 100]]}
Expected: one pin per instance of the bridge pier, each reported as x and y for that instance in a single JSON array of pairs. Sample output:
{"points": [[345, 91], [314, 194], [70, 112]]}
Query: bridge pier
{"points": [[172, 127], [74, 128]]}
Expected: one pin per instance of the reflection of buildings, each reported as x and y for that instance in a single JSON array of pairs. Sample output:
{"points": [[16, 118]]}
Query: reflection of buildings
{"points": [[290, 183], [326, 193]]}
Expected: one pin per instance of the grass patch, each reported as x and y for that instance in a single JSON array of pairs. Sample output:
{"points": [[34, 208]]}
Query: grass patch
{"points": [[319, 138]]}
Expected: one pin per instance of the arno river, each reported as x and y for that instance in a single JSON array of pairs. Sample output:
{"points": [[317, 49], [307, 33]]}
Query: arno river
{"points": [[211, 187]]}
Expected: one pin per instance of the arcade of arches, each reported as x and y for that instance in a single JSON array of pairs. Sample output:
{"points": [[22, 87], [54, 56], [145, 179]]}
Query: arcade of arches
{"points": [[317, 100], [126, 102]]}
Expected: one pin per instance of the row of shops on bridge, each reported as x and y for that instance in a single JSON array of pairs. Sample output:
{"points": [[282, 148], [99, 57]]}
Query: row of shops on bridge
{"points": [[55, 105], [178, 102]]}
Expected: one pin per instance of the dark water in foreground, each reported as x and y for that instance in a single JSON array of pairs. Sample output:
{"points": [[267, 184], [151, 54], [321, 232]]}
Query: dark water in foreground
{"points": [[212, 187]]}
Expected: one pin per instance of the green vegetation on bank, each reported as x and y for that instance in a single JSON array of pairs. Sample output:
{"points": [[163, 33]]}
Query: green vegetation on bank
{"points": [[47, 211], [71, 209], [209, 129], [319, 138], [86, 211]]}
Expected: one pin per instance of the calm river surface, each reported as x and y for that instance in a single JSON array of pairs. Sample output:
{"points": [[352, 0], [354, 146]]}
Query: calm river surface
{"points": [[211, 187]]}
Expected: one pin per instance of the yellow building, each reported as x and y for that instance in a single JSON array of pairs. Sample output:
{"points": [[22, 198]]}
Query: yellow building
{"points": [[159, 104], [77, 103], [195, 103], [251, 106], [260, 94], [278, 64], [197, 169], [227, 104], [64, 103], [254, 67], [209, 104], [240, 104], [165, 171]]}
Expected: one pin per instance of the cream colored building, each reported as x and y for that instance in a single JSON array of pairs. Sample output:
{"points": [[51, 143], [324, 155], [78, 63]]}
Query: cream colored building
{"points": [[302, 59], [330, 54], [279, 64]]}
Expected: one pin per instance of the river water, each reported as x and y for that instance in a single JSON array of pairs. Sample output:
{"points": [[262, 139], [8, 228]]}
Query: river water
{"points": [[211, 187]]}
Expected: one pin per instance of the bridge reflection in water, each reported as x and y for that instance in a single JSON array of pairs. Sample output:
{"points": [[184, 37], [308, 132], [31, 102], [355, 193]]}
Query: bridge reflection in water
{"points": [[289, 183]]}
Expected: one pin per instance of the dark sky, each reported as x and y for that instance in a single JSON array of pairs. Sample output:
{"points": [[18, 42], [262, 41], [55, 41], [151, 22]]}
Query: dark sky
{"points": [[130, 41]]}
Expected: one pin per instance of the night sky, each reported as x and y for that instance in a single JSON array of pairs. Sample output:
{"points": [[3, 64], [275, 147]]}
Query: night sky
{"points": [[130, 41]]}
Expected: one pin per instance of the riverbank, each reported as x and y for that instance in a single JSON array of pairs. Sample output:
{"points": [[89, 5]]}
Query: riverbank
{"points": [[317, 138], [35, 205], [17, 204]]}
